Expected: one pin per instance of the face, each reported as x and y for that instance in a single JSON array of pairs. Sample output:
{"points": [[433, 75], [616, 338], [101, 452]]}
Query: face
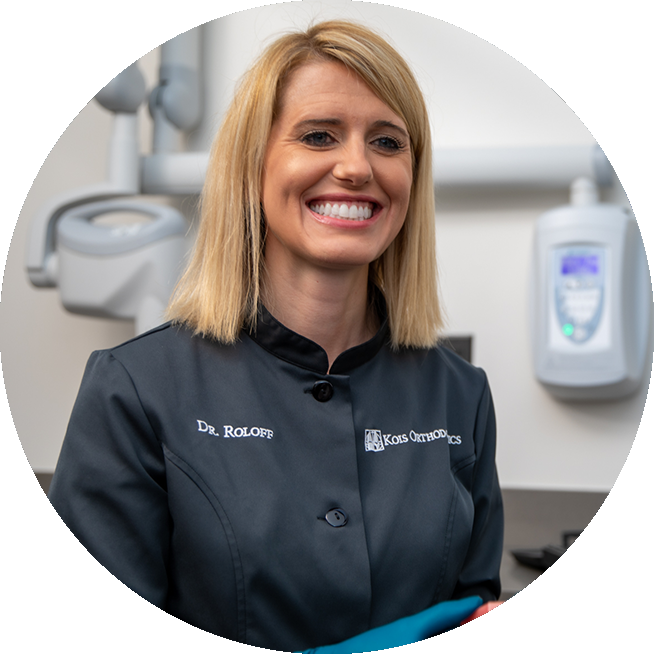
{"points": [[337, 172]]}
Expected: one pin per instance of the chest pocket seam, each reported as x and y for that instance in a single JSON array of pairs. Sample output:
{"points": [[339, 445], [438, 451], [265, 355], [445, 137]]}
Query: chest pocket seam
{"points": [[188, 470]]}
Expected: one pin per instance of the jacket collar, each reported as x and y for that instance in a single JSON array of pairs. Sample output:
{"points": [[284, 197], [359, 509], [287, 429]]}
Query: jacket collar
{"points": [[290, 346]]}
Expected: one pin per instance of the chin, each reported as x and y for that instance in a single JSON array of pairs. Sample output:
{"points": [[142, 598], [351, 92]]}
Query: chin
{"points": [[345, 261]]}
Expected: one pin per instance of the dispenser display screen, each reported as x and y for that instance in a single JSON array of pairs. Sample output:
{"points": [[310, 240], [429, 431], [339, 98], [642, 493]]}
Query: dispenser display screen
{"points": [[579, 293], [580, 265]]}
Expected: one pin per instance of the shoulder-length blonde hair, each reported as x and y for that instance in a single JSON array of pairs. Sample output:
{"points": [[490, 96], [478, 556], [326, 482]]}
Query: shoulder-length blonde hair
{"points": [[219, 293]]}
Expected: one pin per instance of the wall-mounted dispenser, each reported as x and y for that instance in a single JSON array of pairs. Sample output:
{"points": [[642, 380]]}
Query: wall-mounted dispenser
{"points": [[591, 299]]}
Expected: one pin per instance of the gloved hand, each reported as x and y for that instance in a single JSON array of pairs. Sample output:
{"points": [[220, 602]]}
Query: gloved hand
{"points": [[431, 621], [559, 637]]}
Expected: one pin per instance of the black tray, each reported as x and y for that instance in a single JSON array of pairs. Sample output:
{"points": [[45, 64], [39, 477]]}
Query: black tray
{"points": [[533, 558]]}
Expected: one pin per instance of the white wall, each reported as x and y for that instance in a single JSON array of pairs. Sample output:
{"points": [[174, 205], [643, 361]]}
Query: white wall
{"points": [[478, 97]]}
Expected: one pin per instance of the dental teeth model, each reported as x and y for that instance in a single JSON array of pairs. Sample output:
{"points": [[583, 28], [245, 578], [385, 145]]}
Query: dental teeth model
{"points": [[504, 624]]}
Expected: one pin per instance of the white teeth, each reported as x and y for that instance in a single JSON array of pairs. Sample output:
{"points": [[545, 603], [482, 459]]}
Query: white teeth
{"points": [[361, 211]]}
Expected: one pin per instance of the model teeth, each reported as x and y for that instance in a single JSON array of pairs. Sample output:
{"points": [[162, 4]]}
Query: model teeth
{"points": [[488, 643], [361, 211]]}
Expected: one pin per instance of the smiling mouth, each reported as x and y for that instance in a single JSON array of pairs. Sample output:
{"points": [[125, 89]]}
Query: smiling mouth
{"points": [[344, 210]]}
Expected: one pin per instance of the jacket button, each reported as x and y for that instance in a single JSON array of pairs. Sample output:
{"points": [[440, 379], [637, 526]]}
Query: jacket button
{"points": [[322, 391], [336, 517]]}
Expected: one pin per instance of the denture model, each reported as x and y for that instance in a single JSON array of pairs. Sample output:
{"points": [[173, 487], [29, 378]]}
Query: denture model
{"points": [[504, 624]]}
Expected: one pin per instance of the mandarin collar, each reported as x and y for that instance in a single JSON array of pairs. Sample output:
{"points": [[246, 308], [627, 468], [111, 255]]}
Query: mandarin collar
{"points": [[290, 346]]}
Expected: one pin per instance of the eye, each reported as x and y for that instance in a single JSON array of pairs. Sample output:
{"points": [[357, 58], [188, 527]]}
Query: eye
{"points": [[317, 139], [388, 143]]}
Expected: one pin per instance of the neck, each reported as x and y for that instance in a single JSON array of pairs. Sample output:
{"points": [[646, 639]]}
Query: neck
{"points": [[329, 307]]}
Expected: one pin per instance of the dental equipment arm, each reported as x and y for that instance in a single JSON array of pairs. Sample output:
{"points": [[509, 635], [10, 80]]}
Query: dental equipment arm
{"points": [[116, 81], [529, 167], [119, 86], [176, 103]]}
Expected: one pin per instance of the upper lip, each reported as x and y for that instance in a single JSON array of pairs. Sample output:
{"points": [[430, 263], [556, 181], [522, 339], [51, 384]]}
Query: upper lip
{"points": [[343, 197]]}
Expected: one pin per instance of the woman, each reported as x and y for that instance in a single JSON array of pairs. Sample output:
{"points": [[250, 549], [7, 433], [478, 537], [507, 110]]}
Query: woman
{"points": [[293, 460]]}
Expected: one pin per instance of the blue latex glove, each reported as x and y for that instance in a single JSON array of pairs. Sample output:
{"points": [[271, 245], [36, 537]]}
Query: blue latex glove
{"points": [[431, 621], [559, 637]]}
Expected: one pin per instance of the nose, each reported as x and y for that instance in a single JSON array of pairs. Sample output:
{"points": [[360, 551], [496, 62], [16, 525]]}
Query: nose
{"points": [[353, 165]]}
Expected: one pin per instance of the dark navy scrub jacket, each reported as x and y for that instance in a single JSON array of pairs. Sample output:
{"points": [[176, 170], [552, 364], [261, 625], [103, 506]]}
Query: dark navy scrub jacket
{"points": [[249, 492]]}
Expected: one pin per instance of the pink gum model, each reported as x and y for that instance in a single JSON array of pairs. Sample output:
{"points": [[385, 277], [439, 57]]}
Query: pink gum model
{"points": [[504, 624]]}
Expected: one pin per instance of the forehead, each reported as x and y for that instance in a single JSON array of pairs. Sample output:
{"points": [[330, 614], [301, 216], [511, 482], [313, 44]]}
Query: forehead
{"points": [[329, 86]]}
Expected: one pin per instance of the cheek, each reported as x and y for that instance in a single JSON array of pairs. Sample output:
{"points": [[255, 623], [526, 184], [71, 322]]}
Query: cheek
{"points": [[282, 181], [398, 180], [400, 186]]}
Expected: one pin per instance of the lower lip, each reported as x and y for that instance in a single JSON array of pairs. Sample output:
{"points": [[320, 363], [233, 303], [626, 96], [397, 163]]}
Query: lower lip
{"points": [[343, 223]]}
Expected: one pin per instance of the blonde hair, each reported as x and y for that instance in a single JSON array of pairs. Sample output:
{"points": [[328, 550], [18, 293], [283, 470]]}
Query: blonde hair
{"points": [[219, 293]]}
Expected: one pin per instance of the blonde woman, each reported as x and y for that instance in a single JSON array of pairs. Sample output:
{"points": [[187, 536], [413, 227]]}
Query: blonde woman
{"points": [[293, 461]]}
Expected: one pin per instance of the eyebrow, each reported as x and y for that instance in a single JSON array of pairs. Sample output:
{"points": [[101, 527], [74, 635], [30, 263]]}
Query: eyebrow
{"points": [[317, 122]]}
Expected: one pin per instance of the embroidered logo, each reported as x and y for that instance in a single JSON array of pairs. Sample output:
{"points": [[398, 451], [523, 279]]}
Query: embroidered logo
{"points": [[373, 440], [376, 441], [229, 431]]}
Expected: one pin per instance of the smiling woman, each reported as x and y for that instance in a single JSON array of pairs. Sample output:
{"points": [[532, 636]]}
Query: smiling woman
{"points": [[336, 185], [293, 461], [222, 287]]}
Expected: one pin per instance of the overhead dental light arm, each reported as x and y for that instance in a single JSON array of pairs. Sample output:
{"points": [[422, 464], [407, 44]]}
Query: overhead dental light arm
{"points": [[179, 91], [116, 81], [176, 103], [533, 167], [122, 95]]}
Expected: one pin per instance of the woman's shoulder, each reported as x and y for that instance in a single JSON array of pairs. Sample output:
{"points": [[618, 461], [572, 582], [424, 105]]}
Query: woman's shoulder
{"points": [[456, 363], [163, 347], [451, 368], [130, 354], [453, 356], [166, 335]]}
